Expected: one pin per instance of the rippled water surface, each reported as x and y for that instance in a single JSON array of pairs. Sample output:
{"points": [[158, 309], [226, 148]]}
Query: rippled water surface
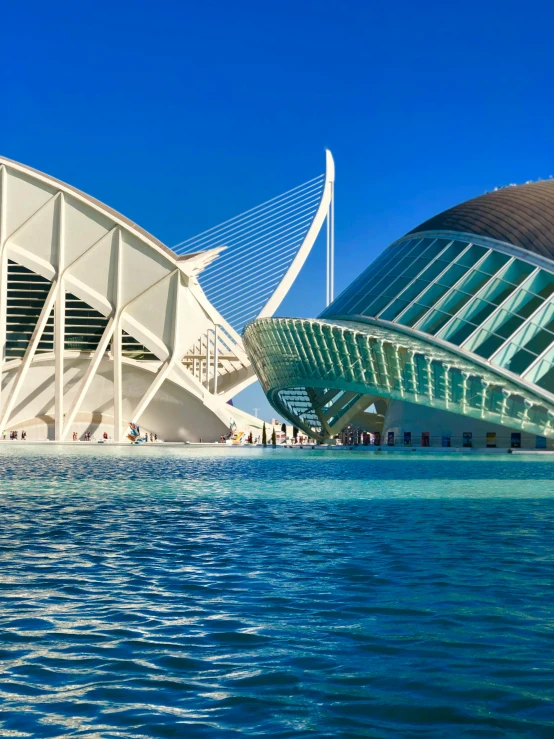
{"points": [[151, 592]]}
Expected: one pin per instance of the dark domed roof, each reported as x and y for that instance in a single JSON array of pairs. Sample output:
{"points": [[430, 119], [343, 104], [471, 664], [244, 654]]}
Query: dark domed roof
{"points": [[521, 215]]}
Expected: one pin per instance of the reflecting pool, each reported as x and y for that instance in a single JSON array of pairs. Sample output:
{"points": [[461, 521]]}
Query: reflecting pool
{"points": [[184, 592]]}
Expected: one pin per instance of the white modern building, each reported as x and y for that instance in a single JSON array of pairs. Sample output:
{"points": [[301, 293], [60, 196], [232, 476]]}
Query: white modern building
{"points": [[102, 325]]}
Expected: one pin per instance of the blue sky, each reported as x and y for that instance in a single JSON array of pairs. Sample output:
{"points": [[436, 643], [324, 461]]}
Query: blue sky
{"points": [[183, 114]]}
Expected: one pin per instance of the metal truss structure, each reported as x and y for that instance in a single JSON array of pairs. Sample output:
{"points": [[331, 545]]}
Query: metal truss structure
{"points": [[102, 325], [451, 320]]}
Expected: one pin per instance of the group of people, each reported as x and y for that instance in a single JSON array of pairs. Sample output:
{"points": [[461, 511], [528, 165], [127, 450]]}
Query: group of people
{"points": [[88, 437], [14, 435]]}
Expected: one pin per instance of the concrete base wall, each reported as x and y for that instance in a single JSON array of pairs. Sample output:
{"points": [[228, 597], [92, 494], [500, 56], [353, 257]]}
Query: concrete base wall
{"points": [[174, 414], [408, 417]]}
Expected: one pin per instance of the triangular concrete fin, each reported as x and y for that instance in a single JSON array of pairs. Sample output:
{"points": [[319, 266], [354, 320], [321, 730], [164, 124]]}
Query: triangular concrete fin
{"points": [[39, 235], [84, 227], [96, 269], [24, 196], [155, 309]]}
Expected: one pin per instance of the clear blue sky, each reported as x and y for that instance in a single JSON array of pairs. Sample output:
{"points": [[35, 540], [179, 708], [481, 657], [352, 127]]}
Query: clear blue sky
{"points": [[182, 114]]}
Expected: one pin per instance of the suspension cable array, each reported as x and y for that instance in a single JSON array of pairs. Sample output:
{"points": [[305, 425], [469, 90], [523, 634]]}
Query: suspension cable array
{"points": [[261, 246]]}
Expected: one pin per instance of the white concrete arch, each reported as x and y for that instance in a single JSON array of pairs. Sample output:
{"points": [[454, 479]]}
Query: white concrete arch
{"points": [[127, 287]]}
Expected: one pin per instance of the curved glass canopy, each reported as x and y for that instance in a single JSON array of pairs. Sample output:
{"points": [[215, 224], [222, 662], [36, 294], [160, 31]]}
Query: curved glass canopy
{"points": [[320, 374]]}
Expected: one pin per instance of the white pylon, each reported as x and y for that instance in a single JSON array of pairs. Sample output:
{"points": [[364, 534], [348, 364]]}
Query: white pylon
{"points": [[330, 266]]}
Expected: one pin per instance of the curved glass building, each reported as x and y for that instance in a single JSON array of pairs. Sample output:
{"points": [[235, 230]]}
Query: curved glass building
{"points": [[446, 339]]}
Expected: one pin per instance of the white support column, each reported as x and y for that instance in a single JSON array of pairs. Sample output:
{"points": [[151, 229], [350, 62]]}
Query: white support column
{"points": [[208, 359], [484, 384], [528, 405], [328, 256], [161, 374], [29, 353], [59, 326], [216, 358], [504, 407], [3, 275], [446, 368], [330, 251], [398, 371], [384, 369], [117, 348], [413, 369], [465, 378], [430, 384], [548, 427], [332, 272]]}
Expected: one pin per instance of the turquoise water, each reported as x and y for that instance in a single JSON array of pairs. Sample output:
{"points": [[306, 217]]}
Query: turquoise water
{"points": [[150, 592]]}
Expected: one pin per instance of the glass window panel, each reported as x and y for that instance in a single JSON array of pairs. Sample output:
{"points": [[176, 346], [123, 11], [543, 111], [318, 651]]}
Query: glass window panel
{"points": [[455, 300], [473, 282], [423, 244], [395, 286], [401, 265], [540, 341], [494, 261], [497, 291], [516, 361], [376, 306], [432, 295], [504, 323], [412, 314], [391, 285], [520, 304], [546, 381], [454, 273], [362, 286], [453, 251], [537, 335], [362, 305], [529, 306], [390, 313], [517, 272], [416, 266], [541, 369], [434, 321], [471, 256], [413, 290], [361, 301], [457, 331], [434, 249], [432, 271], [541, 284], [484, 344], [474, 309]]}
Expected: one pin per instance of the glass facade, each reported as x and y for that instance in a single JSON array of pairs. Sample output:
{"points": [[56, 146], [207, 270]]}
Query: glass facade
{"points": [[478, 298], [315, 371]]}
